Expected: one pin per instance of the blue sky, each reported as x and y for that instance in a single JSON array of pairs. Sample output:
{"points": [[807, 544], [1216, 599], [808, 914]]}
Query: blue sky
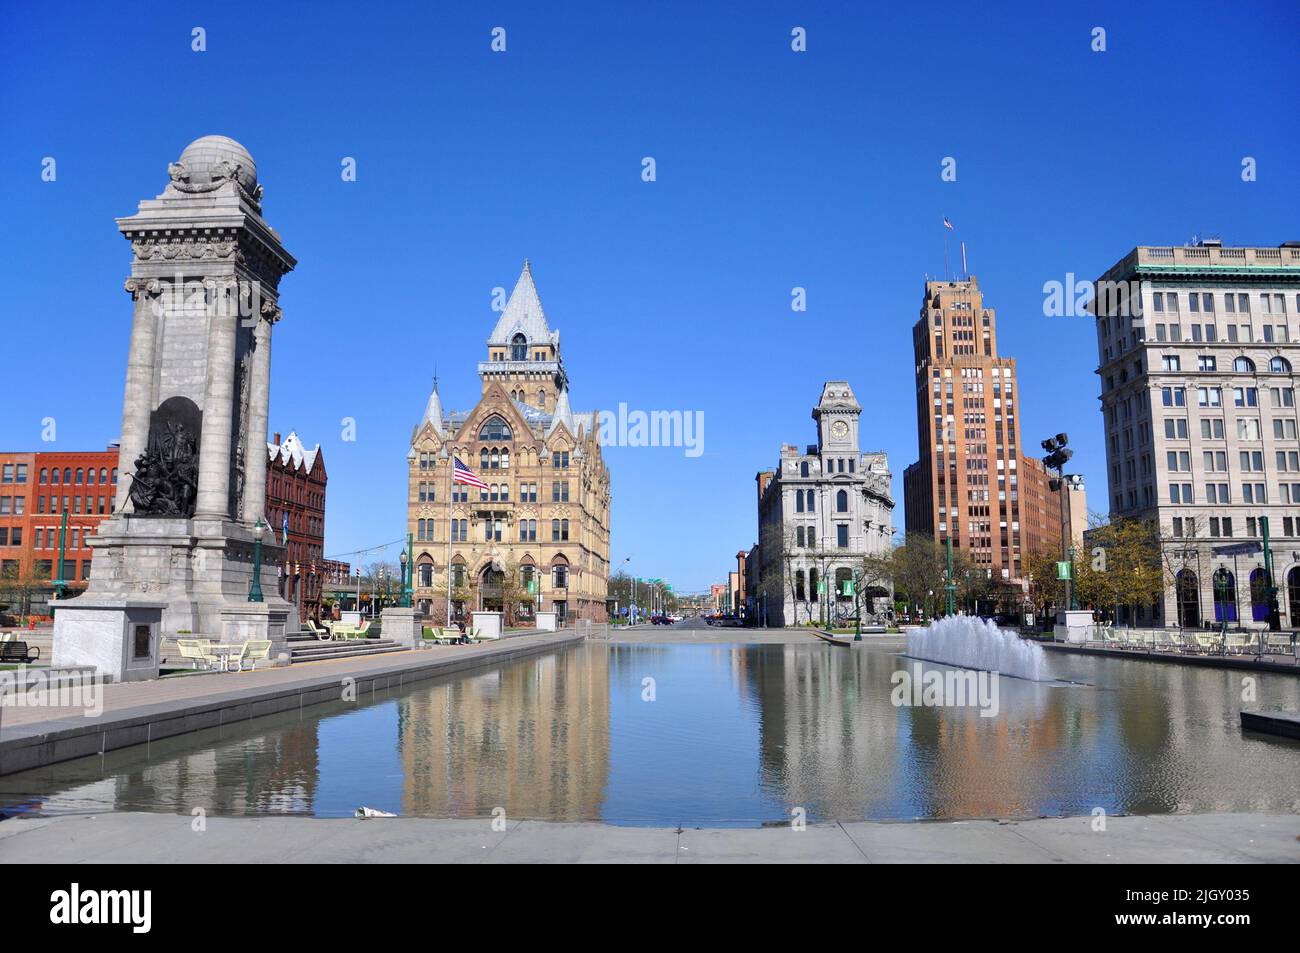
{"points": [[775, 169]]}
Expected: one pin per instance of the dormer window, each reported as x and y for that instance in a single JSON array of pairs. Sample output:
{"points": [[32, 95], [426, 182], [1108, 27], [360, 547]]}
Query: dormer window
{"points": [[494, 428], [519, 348]]}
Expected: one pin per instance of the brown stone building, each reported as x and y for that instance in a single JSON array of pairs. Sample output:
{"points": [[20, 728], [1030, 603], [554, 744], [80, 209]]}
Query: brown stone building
{"points": [[537, 538], [295, 513], [972, 482]]}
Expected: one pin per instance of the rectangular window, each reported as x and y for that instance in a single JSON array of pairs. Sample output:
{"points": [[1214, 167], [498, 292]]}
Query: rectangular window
{"points": [[842, 535]]}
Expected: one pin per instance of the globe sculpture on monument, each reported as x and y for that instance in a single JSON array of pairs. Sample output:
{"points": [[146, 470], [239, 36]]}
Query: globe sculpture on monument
{"points": [[177, 556]]}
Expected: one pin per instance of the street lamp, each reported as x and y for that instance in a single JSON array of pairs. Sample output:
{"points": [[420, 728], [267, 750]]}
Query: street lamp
{"points": [[1057, 457], [405, 558], [255, 590]]}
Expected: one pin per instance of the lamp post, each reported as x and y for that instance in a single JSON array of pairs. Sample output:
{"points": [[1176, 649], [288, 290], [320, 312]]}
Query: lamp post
{"points": [[1057, 457], [255, 590], [406, 589], [61, 584], [951, 586]]}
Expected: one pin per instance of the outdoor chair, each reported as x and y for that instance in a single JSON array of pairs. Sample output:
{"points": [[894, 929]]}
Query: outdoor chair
{"points": [[194, 650], [1278, 643], [321, 632], [1239, 643], [252, 652], [1206, 644]]}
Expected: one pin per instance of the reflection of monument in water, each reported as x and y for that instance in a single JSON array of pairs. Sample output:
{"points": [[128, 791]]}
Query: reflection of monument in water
{"points": [[274, 770], [177, 554], [531, 737]]}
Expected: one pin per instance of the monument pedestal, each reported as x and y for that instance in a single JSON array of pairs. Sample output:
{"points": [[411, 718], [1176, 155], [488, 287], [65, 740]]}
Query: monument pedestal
{"points": [[485, 625], [403, 626], [119, 638], [545, 621], [1072, 625]]}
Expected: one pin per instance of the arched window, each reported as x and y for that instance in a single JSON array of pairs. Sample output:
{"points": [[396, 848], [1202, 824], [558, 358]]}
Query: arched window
{"points": [[54, 476], [103, 474], [45, 476], [803, 468], [424, 572], [518, 348], [798, 501], [1243, 365], [81, 476], [1279, 365], [483, 459], [798, 534], [1225, 596], [812, 583], [842, 501], [496, 459], [812, 502], [67, 474], [494, 428], [90, 476], [541, 398], [1258, 596], [505, 459], [799, 594], [1188, 596]]}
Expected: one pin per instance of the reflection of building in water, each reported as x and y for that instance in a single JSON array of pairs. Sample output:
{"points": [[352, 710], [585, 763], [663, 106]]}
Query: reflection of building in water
{"points": [[825, 736], [531, 737]]}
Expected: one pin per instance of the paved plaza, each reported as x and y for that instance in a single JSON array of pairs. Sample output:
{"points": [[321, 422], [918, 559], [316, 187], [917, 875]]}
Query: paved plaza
{"points": [[161, 838]]}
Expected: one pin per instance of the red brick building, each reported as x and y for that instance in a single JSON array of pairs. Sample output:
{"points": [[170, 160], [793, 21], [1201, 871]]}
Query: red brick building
{"points": [[35, 490], [295, 513]]}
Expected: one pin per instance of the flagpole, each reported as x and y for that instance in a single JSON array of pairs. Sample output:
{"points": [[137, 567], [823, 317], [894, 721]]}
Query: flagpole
{"points": [[964, 273], [946, 273], [450, 467]]}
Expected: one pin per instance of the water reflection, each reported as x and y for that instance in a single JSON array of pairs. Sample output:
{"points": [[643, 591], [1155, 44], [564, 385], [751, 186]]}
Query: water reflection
{"points": [[709, 734]]}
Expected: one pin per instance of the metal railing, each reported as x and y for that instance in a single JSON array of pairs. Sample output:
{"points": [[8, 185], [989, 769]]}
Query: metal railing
{"points": [[1256, 643]]}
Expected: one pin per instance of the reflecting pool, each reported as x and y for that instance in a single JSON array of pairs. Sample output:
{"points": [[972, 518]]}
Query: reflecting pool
{"points": [[718, 735]]}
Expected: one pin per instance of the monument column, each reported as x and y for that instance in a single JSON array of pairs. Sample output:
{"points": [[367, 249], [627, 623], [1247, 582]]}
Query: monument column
{"points": [[259, 408], [213, 499], [137, 405]]}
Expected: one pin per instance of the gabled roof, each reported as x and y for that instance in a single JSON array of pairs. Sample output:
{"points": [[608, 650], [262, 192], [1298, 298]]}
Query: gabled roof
{"points": [[523, 314], [293, 452]]}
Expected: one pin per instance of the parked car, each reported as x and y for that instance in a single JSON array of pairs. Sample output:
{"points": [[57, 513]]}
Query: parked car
{"points": [[661, 620]]}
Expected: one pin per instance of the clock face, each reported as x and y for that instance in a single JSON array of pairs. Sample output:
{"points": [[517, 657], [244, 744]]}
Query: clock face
{"points": [[839, 430]]}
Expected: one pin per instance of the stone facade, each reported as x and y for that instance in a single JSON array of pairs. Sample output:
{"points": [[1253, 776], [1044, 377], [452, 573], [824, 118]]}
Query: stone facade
{"points": [[204, 283], [537, 539], [1198, 349], [820, 513]]}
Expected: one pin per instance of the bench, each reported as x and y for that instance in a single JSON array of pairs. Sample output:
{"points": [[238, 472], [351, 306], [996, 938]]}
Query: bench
{"points": [[18, 652]]}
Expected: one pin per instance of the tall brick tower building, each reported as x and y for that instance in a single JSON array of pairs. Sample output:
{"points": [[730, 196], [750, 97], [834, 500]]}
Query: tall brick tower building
{"points": [[971, 482]]}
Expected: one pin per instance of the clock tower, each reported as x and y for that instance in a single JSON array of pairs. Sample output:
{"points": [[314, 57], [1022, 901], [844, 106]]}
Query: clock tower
{"points": [[837, 415]]}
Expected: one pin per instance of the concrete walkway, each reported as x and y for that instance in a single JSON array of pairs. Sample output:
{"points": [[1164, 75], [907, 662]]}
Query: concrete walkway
{"points": [[162, 838], [40, 731]]}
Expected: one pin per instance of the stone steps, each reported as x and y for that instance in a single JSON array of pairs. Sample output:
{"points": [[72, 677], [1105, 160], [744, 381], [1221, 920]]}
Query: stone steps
{"points": [[314, 651]]}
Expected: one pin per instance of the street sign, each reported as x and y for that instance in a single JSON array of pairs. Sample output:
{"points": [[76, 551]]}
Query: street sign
{"points": [[1063, 570]]}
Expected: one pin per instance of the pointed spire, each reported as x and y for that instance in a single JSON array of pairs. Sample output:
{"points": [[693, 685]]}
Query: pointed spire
{"points": [[433, 410], [523, 313], [563, 412]]}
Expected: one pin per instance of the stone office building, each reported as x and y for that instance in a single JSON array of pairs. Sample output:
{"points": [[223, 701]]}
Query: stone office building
{"points": [[537, 539], [819, 514], [1197, 353]]}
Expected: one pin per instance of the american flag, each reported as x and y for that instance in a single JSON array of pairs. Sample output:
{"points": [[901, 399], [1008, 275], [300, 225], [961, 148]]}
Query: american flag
{"points": [[947, 224], [463, 474]]}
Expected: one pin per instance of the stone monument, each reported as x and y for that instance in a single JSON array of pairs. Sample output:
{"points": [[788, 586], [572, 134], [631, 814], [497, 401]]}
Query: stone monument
{"points": [[177, 554]]}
